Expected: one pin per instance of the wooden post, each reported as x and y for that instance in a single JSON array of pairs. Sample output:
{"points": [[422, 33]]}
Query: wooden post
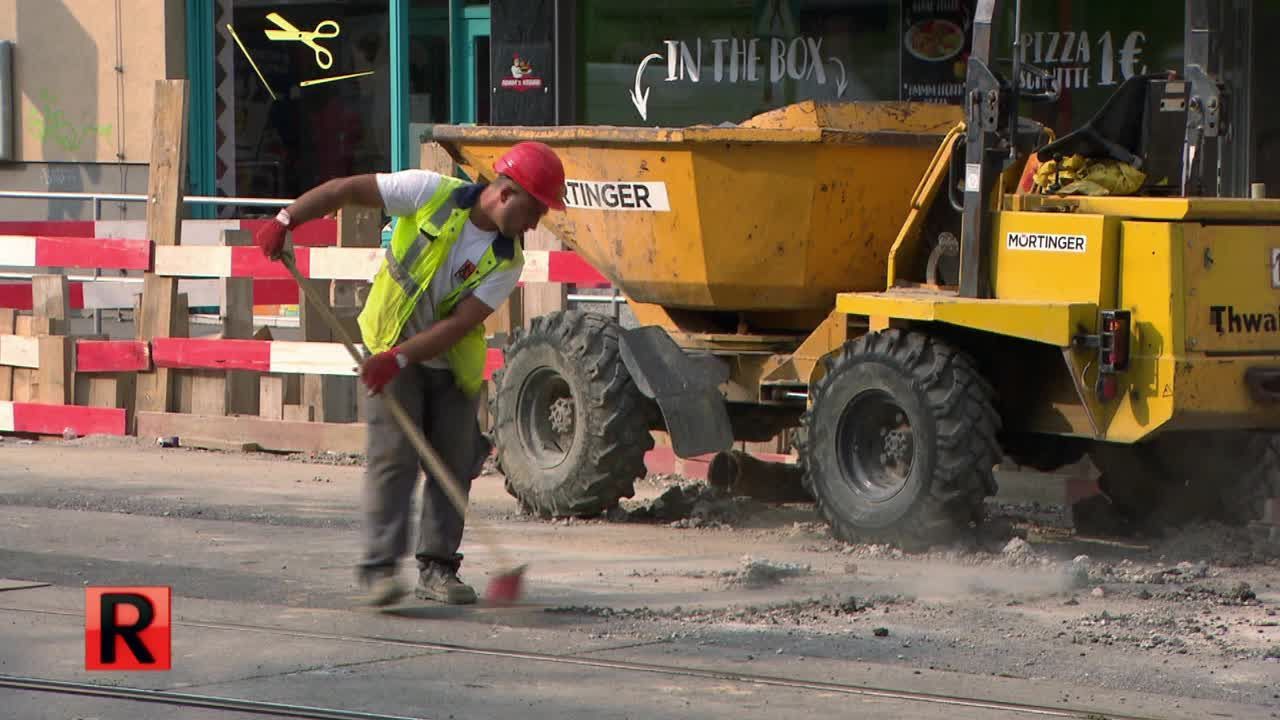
{"points": [[542, 298], [113, 390], [180, 327], [50, 308], [335, 398], [49, 304], [116, 390], [216, 392], [207, 394], [271, 397], [508, 316], [357, 227], [290, 394], [183, 381], [237, 324], [327, 398], [314, 329], [53, 379], [8, 326], [24, 379], [274, 390], [164, 227], [300, 413]]}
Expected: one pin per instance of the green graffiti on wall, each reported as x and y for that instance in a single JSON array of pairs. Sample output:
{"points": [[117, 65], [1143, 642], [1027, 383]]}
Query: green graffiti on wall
{"points": [[48, 123]]}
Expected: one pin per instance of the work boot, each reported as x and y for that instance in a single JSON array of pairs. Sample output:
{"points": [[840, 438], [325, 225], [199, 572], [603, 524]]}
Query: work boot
{"points": [[381, 586], [441, 583]]}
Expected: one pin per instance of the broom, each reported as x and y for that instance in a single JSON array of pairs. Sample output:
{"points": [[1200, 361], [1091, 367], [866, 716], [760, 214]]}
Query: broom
{"points": [[504, 588]]}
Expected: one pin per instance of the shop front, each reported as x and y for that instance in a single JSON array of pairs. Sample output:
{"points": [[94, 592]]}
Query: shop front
{"points": [[308, 91], [680, 62]]}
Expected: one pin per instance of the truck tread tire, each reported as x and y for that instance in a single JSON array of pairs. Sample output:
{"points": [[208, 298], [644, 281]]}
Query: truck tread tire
{"points": [[953, 428], [1184, 477], [588, 470]]}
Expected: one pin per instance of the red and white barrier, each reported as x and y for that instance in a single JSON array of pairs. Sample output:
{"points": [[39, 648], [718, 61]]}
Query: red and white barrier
{"points": [[202, 258], [119, 293], [38, 251], [112, 356], [560, 266], [269, 356], [272, 356], [56, 419], [62, 228], [90, 355], [335, 263], [17, 295], [194, 232]]}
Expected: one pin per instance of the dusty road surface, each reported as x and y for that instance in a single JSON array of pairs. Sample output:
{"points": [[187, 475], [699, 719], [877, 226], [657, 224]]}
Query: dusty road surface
{"points": [[743, 611]]}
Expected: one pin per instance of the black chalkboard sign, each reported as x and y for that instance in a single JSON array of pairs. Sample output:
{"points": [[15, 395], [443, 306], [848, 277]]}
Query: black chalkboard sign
{"points": [[935, 49], [522, 62]]}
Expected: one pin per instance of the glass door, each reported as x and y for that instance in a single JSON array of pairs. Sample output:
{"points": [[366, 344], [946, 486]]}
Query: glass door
{"points": [[471, 81]]}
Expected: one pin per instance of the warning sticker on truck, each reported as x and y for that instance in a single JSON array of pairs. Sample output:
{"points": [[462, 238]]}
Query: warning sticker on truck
{"points": [[622, 195], [1047, 243]]}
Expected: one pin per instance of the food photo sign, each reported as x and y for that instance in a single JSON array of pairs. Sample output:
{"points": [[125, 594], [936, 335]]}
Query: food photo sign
{"points": [[935, 49]]}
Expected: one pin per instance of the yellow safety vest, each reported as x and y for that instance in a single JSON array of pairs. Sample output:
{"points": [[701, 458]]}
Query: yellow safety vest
{"points": [[420, 245]]}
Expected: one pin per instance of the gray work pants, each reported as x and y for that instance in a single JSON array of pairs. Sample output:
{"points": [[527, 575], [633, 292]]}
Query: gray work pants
{"points": [[447, 418]]}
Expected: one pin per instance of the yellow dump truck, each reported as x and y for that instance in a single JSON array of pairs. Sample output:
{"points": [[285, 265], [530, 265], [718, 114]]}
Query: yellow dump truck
{"points": [[918, 290]]}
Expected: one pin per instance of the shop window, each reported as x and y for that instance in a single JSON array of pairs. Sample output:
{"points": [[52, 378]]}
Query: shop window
{"points": [[428, 62], [1091, 47], [683, 62], [1265, 111], [311, 96]]}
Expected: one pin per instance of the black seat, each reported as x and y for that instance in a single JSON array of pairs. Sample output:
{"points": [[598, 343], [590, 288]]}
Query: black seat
{"points": [[1116, 131]]}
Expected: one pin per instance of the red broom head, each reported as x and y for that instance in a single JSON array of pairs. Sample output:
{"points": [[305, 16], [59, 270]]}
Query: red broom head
{"points": [[504, 588]]}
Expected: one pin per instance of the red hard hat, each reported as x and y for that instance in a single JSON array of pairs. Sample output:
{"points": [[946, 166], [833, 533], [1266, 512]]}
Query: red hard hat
{"points": [[537, 169]]}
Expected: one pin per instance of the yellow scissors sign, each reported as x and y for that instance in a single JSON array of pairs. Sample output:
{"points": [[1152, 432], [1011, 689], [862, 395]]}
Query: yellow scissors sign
{"points": [[326, 29]]}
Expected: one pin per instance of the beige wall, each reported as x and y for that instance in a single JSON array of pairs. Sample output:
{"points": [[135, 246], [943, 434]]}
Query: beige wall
{"points": [[72, 104]]}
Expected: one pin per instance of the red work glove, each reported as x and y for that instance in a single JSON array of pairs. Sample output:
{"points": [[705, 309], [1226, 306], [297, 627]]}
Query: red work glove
{"points": [[270, 237], [380, 369]]}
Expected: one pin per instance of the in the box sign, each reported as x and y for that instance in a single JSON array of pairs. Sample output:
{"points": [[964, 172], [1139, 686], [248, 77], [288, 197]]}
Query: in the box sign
{"points": [[621, 195], [1047, 242]]}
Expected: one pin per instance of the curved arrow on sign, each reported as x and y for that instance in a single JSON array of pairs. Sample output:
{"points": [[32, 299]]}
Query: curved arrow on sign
{"points": [[843, 82], [638, 98]]}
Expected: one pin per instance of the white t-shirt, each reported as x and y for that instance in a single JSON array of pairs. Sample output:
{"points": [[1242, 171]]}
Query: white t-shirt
{"points": [[402, 194]]}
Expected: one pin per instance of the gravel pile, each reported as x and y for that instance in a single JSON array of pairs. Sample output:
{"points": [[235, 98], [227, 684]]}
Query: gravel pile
{"points": [[689, 505]]}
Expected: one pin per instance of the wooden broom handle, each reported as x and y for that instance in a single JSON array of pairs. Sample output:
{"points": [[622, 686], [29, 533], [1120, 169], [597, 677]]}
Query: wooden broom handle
{"points": [[428, 454]]}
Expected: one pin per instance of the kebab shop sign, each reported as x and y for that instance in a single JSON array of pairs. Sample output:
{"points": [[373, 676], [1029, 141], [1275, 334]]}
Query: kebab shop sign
{"points": [[522, 78]]}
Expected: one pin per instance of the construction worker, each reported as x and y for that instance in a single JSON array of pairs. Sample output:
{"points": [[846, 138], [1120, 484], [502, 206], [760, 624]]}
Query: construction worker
{"points": [[455, 256]]}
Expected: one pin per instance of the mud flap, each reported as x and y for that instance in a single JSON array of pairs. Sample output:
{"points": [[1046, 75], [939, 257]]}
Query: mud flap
{"points": [[686, 388]]}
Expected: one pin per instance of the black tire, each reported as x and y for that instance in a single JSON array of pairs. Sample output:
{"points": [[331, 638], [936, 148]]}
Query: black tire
{"points": [[873, 388], [570, 426], [1183, 477]]}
